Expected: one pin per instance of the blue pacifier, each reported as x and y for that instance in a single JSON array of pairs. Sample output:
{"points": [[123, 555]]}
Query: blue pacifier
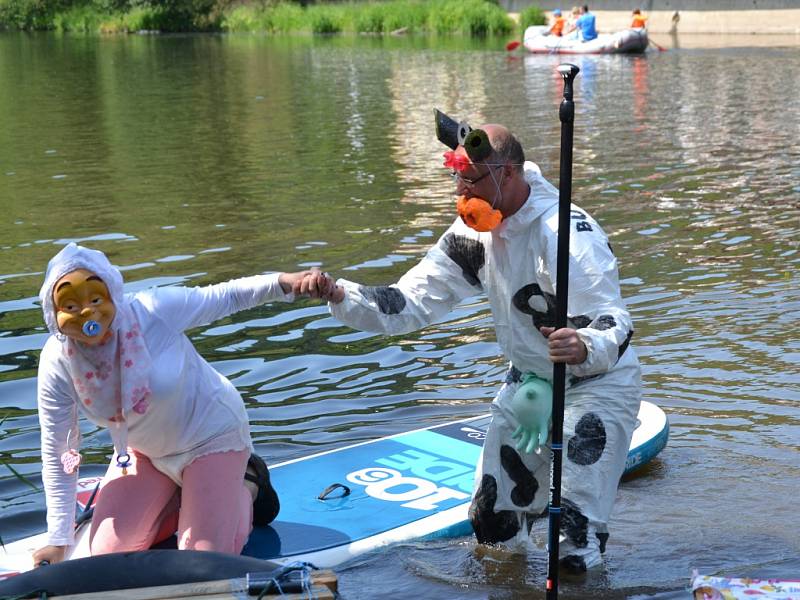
{"points": [[91, 328], [123, 462]]}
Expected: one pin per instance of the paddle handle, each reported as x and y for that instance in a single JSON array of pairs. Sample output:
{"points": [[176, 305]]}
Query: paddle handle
{"points": [[566, 114]]}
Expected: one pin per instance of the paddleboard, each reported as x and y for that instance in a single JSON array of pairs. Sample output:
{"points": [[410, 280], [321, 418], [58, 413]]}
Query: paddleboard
{"points": [[341, 503]]}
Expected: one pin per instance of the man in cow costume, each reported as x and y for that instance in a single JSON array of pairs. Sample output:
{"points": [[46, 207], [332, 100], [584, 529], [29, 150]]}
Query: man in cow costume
{"points": [[504, 244]]}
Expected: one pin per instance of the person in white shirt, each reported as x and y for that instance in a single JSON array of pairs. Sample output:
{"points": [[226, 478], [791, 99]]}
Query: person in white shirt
{"points": [[180, 430], [504, 245]]}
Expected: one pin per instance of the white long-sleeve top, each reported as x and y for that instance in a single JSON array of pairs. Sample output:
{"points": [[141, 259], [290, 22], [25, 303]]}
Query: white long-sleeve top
{"points": [[515, 266], [193, 410]]}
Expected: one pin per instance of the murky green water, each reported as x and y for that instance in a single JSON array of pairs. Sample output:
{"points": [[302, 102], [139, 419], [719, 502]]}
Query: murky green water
{"points": [[194, 159]]}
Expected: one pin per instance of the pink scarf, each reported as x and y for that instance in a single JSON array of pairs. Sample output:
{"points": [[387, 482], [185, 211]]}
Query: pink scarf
{"points": [[113, 378]]}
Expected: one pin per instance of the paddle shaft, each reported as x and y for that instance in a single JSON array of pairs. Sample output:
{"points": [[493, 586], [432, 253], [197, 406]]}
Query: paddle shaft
{"points": [[566, 113]]}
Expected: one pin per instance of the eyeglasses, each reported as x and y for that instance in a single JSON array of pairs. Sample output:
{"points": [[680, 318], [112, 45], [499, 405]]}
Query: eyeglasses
{"points": [[470, 182]]}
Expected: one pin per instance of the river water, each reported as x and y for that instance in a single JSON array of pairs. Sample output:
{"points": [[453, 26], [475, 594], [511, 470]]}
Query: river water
{"points": [[195, 159]]}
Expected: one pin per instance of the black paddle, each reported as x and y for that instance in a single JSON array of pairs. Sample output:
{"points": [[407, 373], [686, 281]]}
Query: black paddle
{"points": [[566, 114]]}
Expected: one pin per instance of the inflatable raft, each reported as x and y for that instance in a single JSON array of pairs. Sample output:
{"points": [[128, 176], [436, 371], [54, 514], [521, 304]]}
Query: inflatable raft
{"points": [[628, 41]]}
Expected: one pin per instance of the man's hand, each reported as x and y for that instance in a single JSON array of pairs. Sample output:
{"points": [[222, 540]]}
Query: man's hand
{"points": [[564, 345], [329, 290], [48, 555]]}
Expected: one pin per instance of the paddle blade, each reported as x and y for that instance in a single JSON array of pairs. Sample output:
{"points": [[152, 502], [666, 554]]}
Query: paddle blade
{"points": [[511, 46]]}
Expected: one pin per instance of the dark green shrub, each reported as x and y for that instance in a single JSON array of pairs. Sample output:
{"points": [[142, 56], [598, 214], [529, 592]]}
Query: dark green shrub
{"points": [[474, 17], [324, 21], [27, 14], [532, 15]]}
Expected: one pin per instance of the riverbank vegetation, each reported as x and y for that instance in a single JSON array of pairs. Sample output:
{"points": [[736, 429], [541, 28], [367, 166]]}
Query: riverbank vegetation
{"points": [[469, 17]]}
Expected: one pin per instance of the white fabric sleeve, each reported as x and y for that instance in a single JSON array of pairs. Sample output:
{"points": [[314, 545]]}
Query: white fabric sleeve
{"points": [[425, 294], [596, 307], [185, 307], [58, 416]]}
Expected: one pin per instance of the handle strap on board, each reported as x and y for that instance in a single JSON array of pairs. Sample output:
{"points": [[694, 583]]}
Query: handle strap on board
{"points": [[332, 487]]}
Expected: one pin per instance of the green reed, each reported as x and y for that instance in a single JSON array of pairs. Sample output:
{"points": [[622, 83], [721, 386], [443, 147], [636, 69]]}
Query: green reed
{"points": [[83, 19]]}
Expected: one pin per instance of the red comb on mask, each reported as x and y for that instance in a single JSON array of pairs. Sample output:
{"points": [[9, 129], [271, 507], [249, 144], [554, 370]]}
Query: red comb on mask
{"points": [[457, 162]]}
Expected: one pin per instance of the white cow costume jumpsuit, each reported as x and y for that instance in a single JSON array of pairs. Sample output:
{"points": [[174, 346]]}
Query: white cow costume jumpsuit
{"points": [[515, 266]]}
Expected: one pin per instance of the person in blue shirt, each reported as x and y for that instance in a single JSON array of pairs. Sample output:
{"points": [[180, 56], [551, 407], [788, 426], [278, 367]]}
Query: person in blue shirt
{"points": [[586, 25]]}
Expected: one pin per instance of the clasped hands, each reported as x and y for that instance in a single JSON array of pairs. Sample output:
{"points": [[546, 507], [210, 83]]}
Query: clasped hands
{"points": [[313, 283]]}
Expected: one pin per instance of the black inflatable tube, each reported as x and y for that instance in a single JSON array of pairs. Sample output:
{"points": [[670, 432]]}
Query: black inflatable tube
{"points": [[126, 570]]}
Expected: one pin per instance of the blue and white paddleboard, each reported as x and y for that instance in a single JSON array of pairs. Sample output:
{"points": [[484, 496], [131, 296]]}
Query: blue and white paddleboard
{"points": [[407, 486], [649, 437]]}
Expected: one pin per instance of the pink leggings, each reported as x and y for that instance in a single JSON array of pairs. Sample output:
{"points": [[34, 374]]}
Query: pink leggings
{"points": [[212, 511]]}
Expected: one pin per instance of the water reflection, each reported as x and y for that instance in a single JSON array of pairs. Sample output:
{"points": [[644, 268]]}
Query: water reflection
{"points": [[640, 67], [418, 85], [588, 75], [193, 159]]}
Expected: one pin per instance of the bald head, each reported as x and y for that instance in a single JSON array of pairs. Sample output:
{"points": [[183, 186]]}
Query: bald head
{"points": [[507, 190], [505, 146]]}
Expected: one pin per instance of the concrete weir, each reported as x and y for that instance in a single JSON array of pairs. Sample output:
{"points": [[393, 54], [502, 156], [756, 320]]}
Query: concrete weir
{"points": [[686, 16]]}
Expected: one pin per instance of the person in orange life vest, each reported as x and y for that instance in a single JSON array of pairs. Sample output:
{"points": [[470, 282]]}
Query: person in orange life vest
{"points": [[559, 22], [639, 20]]}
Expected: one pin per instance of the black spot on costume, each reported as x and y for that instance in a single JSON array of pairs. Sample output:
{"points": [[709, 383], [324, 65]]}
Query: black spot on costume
{"points": [[580, 321], [491, 527], [604, 322], [586, 446], [574, 524], [467, 253], [521, 301], [527, 486], [513, 375], [390, 300]]}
